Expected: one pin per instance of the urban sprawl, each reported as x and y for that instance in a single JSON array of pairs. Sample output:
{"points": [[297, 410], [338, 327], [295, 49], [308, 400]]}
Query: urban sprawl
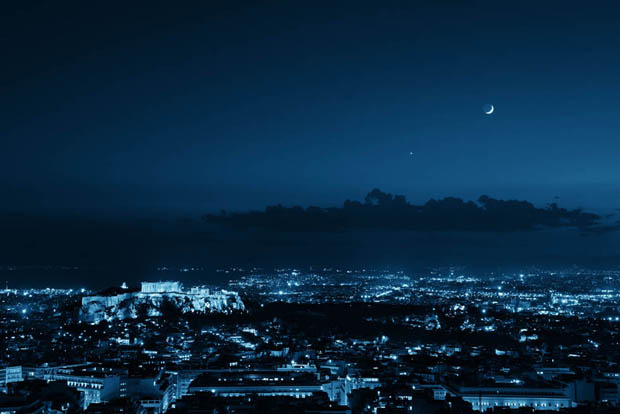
{"points": [[318, 341]]}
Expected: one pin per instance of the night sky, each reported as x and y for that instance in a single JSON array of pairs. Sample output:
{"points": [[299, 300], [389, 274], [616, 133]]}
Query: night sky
{"points": [[152, 109], [135, 111]]}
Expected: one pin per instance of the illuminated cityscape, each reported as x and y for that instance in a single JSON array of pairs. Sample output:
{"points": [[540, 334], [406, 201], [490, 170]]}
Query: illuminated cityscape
{"points": [[327, 340], [310, 207]]}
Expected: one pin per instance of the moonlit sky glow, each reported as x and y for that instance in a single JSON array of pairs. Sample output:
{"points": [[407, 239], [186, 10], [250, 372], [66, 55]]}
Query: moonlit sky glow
{"points": [[121, 109]]}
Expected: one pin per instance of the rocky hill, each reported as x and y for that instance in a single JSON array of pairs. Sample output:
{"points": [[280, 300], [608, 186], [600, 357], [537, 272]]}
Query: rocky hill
{"points": [[153, 297]]}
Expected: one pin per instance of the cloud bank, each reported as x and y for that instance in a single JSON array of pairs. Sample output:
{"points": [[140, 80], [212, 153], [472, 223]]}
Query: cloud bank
{"points": [[387, 211]]}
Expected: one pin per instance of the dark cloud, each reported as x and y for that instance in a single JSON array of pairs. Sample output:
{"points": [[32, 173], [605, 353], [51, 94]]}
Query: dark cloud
{"points": [[387, 211], [100, 251], [383, 231]]}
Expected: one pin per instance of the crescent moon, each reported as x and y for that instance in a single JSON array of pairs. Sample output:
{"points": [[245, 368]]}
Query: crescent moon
{"points": [[490, 110]]}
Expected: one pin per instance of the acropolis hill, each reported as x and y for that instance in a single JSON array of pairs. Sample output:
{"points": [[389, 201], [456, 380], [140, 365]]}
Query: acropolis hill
{"points": [[126, 304]]}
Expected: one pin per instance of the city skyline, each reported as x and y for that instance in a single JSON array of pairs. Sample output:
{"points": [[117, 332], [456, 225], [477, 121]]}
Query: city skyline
{"points": [[339, 340], [288, 207]]}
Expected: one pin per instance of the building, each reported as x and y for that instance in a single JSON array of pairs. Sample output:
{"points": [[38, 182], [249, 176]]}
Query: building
{"points": [[161, 287], [154, 393], [95, 385], [486, 398], [10, 374], [261, 383]]}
